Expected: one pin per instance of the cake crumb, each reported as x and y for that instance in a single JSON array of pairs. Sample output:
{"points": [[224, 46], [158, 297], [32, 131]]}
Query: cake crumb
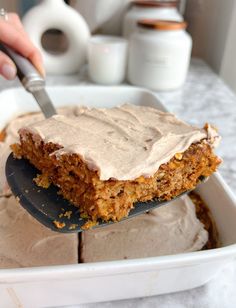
{"points": [[42, 180], [89, 224], [73, 226], [178, 156], [16, 149], [67, 214], [59, 224], [2, 135], [84, 216]]}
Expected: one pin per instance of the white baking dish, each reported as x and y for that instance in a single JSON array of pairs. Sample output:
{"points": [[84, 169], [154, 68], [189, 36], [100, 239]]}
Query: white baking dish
{"points": [[105, 281]]}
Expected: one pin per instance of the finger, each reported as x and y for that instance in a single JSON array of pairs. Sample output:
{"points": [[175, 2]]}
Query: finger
{"points": [[14, 19], [10, 35], [7, 67], [35, 57]]}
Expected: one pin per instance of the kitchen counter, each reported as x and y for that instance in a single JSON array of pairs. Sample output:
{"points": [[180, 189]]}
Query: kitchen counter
{"points": [[203, 98]]}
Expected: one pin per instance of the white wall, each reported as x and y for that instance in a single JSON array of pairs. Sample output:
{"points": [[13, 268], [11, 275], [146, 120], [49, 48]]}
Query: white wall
{"points": [[9, 5], [228, 66], [212, 24]]}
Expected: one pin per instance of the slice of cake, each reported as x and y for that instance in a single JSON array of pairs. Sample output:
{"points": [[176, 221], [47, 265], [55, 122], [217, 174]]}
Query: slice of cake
{"points": [[25, 242], [105, 160], [179, 227]]}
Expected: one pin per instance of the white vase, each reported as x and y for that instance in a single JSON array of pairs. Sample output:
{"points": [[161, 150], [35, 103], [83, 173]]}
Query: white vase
{"points": [[55, 14]]}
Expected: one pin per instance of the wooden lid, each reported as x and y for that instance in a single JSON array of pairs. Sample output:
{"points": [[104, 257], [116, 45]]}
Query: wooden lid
{"points": [[155, 3], [157, 24]]}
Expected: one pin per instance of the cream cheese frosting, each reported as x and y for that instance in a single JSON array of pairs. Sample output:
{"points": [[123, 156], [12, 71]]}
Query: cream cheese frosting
{"points": [[171, 229], [24, 242], [122, 143]]}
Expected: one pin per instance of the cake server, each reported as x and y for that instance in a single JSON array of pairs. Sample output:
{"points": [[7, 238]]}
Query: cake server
{"points": [[46, 205], [31, 80]]}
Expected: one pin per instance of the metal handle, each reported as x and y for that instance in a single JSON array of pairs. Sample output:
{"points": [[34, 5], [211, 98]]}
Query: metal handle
{"points": [[26, 72]]}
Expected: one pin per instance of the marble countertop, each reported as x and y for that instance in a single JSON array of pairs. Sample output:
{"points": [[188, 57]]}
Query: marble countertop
{"points": [[203, 98]]}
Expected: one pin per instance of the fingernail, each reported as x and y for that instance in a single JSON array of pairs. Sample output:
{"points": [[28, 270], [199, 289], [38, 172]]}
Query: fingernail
{"points": [[8, 71], [41, 70]]}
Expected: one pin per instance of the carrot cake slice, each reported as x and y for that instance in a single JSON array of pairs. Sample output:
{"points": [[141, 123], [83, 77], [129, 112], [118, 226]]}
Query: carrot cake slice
{"points": [[104, 160]]}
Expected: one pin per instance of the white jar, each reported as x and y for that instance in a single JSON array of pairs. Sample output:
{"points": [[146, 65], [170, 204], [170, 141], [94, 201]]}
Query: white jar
{"points": [[162, 10], [159, 55]]}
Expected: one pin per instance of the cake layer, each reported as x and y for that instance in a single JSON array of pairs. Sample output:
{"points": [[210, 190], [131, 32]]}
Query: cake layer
{"points": [[121, 143], [24, 242], [171, 229]]}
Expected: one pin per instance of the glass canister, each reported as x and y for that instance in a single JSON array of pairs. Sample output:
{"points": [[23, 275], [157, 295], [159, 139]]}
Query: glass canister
{"points": [[159, 55], [162, 10]]}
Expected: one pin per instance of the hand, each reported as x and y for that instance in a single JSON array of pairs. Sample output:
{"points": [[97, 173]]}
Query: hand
{"points": [[13, 34]]}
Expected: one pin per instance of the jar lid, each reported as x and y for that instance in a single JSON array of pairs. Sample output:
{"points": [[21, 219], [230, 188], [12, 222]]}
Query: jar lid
{"points": [[165, 25], [155, 3]]}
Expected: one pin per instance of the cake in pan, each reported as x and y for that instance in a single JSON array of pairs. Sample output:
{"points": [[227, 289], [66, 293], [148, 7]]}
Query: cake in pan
{"points": [[105, 160], [184, 225]]}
